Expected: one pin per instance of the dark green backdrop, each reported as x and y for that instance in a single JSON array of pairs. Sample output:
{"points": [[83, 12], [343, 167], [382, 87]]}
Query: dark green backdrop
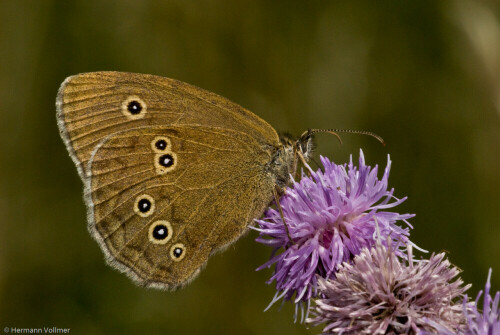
{"points": [[424, 74]]}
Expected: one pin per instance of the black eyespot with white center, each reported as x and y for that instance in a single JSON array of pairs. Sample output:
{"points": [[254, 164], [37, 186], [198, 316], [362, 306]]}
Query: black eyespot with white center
{"points": [[166, 160], [177, 252], [144, 205], [134, 107], [161, 144], [160, 232]]}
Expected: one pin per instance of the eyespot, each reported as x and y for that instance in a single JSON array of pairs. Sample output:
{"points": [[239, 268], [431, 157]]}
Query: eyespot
{"points": [[160, 232], [161, 144], [177, 252], [144, 205], [165, 162], [134, 107]]}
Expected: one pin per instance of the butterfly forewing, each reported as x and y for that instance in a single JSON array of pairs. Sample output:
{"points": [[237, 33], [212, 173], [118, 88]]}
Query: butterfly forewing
{"points": [[92, 106]]}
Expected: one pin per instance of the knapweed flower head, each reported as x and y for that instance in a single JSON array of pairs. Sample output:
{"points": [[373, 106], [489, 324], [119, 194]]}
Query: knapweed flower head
{"points": [[487, 322], [380, 293], [330, 216]]}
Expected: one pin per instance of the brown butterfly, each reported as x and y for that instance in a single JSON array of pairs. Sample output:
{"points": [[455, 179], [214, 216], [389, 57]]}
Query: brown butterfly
{"points": [[172, 173]]}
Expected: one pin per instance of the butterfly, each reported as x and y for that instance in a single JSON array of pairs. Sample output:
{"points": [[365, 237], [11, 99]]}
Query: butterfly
{"points": [[172, 173]]}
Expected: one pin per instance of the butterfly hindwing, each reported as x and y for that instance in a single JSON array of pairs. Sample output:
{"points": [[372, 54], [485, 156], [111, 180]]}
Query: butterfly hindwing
{"points": [[203, 200]]}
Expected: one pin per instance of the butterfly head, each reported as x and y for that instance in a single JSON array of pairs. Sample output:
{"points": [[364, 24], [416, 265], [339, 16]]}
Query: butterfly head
{"points": [[285, 160], [304, 146]]}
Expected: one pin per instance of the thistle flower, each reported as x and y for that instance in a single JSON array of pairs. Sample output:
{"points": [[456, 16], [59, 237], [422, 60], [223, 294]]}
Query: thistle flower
{"points": [[488, 322], [330, 217], [380, 293]]}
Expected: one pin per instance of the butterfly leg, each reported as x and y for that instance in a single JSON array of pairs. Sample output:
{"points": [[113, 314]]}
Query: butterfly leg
{"points": [[277, 190], [304, 162]]}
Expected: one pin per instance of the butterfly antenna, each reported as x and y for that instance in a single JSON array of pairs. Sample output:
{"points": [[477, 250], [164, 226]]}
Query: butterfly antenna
{"points": [[310, 132]]}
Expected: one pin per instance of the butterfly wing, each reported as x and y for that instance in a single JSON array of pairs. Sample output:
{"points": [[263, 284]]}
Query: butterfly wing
{"points": [[92, 106], [167, 189]]}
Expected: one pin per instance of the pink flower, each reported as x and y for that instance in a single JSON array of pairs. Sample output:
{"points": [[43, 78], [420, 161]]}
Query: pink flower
{"points": [[380, 293], [331, 216]]}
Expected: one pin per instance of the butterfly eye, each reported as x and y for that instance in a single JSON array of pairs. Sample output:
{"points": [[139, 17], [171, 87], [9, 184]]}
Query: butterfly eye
{"points": [[160, 144], [144, 205], [177, 252], [160, 232], [134, 108]]}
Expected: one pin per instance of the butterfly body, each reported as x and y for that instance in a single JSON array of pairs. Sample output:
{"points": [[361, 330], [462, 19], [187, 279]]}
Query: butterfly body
{"points": [[171, 173]]}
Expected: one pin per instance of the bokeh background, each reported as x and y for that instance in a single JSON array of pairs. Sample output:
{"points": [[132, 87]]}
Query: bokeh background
{"points": [[424, 74]]}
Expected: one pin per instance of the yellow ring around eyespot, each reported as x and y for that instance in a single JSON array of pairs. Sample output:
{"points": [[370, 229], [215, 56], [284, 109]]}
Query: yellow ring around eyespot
{"points": [[158, 138], [160, 169], [169, 232], [127, 113], [181, 246], [136, 205]]}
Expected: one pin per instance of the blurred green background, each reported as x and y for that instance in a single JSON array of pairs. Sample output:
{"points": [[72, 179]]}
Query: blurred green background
{"points": [[424, 74]]}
